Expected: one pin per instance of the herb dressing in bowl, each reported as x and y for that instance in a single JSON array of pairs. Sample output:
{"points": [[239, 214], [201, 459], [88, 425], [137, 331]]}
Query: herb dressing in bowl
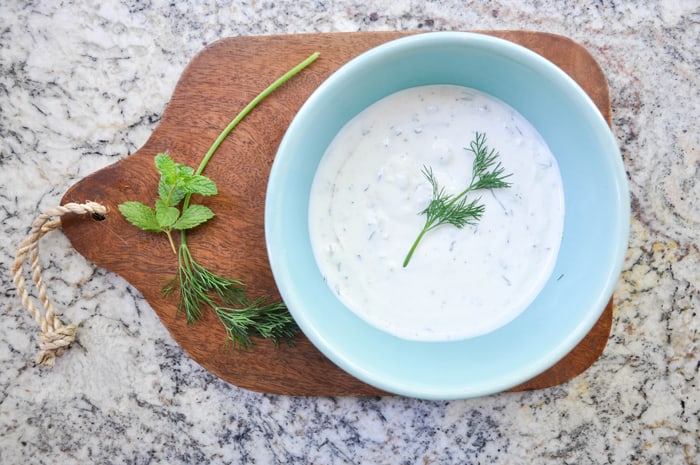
{"points": [[591, 246], [369, 190]]}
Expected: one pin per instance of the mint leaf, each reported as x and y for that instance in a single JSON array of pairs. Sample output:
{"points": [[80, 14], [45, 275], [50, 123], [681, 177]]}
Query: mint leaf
{"points": [[164, 188], [167, 168], [178, 179], [201, 185], [176, 193], [184, 172], [140, 215], [165, 214], [193, 216]]}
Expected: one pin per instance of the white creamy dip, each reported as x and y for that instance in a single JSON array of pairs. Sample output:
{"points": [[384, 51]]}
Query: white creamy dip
{"points": [[369, 190]]}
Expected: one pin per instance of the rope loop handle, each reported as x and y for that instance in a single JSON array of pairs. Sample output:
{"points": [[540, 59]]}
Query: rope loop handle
{"points": [[55, 337]]}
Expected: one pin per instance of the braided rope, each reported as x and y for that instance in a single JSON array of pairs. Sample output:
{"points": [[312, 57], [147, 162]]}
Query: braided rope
{"points": [[55, 337]]}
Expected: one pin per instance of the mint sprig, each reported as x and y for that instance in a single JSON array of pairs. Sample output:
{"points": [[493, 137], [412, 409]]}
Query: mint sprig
{"points": [[176, 181]]}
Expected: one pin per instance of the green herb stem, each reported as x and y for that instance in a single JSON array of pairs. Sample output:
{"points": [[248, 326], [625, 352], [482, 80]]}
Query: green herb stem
{"points": [[247, 109], [169, 235], [243, 113], [414, 246]]}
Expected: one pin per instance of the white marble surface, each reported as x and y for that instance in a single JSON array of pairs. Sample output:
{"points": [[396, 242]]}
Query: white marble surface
{"points": [[83, 84]]}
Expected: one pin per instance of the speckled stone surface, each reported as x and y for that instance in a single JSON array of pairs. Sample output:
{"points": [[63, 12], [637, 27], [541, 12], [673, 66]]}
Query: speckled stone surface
{"points": [[83, 84]]}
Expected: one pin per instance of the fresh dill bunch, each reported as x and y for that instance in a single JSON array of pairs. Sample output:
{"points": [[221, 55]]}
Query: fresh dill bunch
{"points": [[444, 208], [199, 287], [241, 317], [259, 319]]}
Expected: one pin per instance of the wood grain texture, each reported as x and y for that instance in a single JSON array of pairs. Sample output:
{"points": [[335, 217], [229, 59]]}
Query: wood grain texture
{"points": [[219, 82]]}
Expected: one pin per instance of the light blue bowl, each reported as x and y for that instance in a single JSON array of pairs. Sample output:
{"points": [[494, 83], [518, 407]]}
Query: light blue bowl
{"points": [[596, 224]]}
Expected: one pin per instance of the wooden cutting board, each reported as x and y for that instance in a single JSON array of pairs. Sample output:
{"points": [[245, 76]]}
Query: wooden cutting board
{"points": [[214, 87]]}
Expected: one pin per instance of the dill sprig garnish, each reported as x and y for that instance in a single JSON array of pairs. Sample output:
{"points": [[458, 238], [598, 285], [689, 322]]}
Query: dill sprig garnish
{"points": [[444, 208]]}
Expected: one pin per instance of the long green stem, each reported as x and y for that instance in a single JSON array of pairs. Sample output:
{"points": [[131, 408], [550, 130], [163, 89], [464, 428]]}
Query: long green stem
{"points": [[253, 103], [248, 108], [243, 113]]}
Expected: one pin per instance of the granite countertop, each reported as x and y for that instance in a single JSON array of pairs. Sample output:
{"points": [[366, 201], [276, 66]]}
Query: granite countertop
{"points": [[83, 84]]}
